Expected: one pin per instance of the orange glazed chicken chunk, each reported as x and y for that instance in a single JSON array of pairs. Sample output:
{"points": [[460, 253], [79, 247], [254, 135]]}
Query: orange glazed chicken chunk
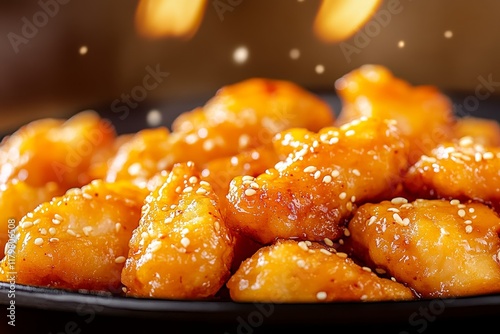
{"points": [[311, 193], [182, 247], [438, 248], [77, 241], [292, 271], [423, 112]]}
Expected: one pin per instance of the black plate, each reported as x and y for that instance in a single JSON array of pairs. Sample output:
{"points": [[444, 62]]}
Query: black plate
{"points": [[43, 310]]}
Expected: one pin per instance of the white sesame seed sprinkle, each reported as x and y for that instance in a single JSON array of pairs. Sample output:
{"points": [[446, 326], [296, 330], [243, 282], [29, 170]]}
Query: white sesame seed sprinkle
{"points": [[328, 241], [399, 200], [26, 224], [468, 229], [120, 259], [53, 239], [185, 242], [461, 213], [38, 241], [52, 230], [342, 195], [327, 179], [322, 295], [250, 192], [303, 245], [187, 190], [301, 263], [56, 221]]}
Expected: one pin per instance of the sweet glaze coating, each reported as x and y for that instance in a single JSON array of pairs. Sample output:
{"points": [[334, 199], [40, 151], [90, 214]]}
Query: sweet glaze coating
{"points": [[293, 271], [438, 248], [240, 117], [182, 248], [422, 112], [17, 198], [460, 169], [79, 240], [220, 172], [482, 130], [53, 150], [312, 193]]}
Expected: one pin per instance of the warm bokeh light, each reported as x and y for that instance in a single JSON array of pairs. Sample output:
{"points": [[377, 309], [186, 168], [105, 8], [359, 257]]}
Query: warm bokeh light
{"points": [[169, 18], [337, 20]]}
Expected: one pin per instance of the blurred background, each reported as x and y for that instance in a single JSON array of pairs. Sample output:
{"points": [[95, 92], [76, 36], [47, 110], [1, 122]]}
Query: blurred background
{"points": [[58, 57]]}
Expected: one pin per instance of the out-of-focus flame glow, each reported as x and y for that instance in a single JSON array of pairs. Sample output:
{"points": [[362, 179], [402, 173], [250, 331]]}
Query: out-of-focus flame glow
{"points": [[169, 18], [337, 20]]}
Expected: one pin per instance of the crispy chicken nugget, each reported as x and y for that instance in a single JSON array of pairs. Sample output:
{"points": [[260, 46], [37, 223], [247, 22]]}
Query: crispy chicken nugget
{"points": [[17, 198], [438, 248], [482, 130], [423, 112], [311, 193], [182, 248], [460, 169], [240, 117], [293, 271], [77, 241], [54, 150]]}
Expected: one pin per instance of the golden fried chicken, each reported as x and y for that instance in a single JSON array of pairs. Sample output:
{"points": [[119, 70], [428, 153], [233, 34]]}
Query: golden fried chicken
{"points": [[438, 248], [422, 112], [483, 131], [54, 150], [293, 271], [460, 169], [17, 198], [240, 117], [182, 248], [312, 193], [77, 241]]}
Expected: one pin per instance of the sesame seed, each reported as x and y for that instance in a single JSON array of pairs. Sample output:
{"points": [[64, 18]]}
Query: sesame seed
{"points": [[187, 190], [118, 227], [201, 191], [217, 226], [52, 230], [327, 179], [120, 259], [301, 263], [26, 224], [168, 220], [185, 242], [53, 239], [193, 180], [342, 195], [353, 198], [43, 231], [406, 221], [205, 183], [37, 221], [366, 269], [468, 222], [58, 217], [399, 200], [488, 155], [461, 213], [380, 271], [325, 251], [87, 230], [465, 141], [471, 210], [397, 218], [87, 196], [349, 133], [371, 220], [56, 221], [364, 297], [347, 232], [333, 140], [393, 210], [356, 172], [254, 185], [349, 206], [454, 202], [328, 241], [243, 178], [303, 245], [321, 295], [335, 173], [38, 241], [317, 175], [178, 190], [154, 246], [342, 255], [71, 232], [468, 229], [250, 192]]}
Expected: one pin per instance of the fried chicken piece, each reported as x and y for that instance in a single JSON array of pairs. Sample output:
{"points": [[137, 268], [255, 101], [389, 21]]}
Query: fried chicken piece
{"points": [[182, 248], [220, 172], [292, 271], [77, 241], [310, 195], [422, 112], [140, 157], [461, 169], [17, 198], [483, 131], [438, 248], [239, 118], [55, 150]]}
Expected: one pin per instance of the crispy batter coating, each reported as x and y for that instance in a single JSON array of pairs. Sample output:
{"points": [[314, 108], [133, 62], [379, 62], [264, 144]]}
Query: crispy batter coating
{"points": [[460, 169], [438, 248], [53, 150], [182, 248], [482, 130], [240, 117], [220, 172], [422, 112], [17, 198], [77, 241], [311, 194], [292, 271]]}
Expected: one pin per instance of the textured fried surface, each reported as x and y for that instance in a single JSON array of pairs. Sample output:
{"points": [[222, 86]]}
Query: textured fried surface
{"points": [[422, 112], [439, 248], [182, 248], [79, 240], [53, 150], [17, 198], [292, 271], [462, 170], [482, 130], [240, 117], [311, 193]]}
